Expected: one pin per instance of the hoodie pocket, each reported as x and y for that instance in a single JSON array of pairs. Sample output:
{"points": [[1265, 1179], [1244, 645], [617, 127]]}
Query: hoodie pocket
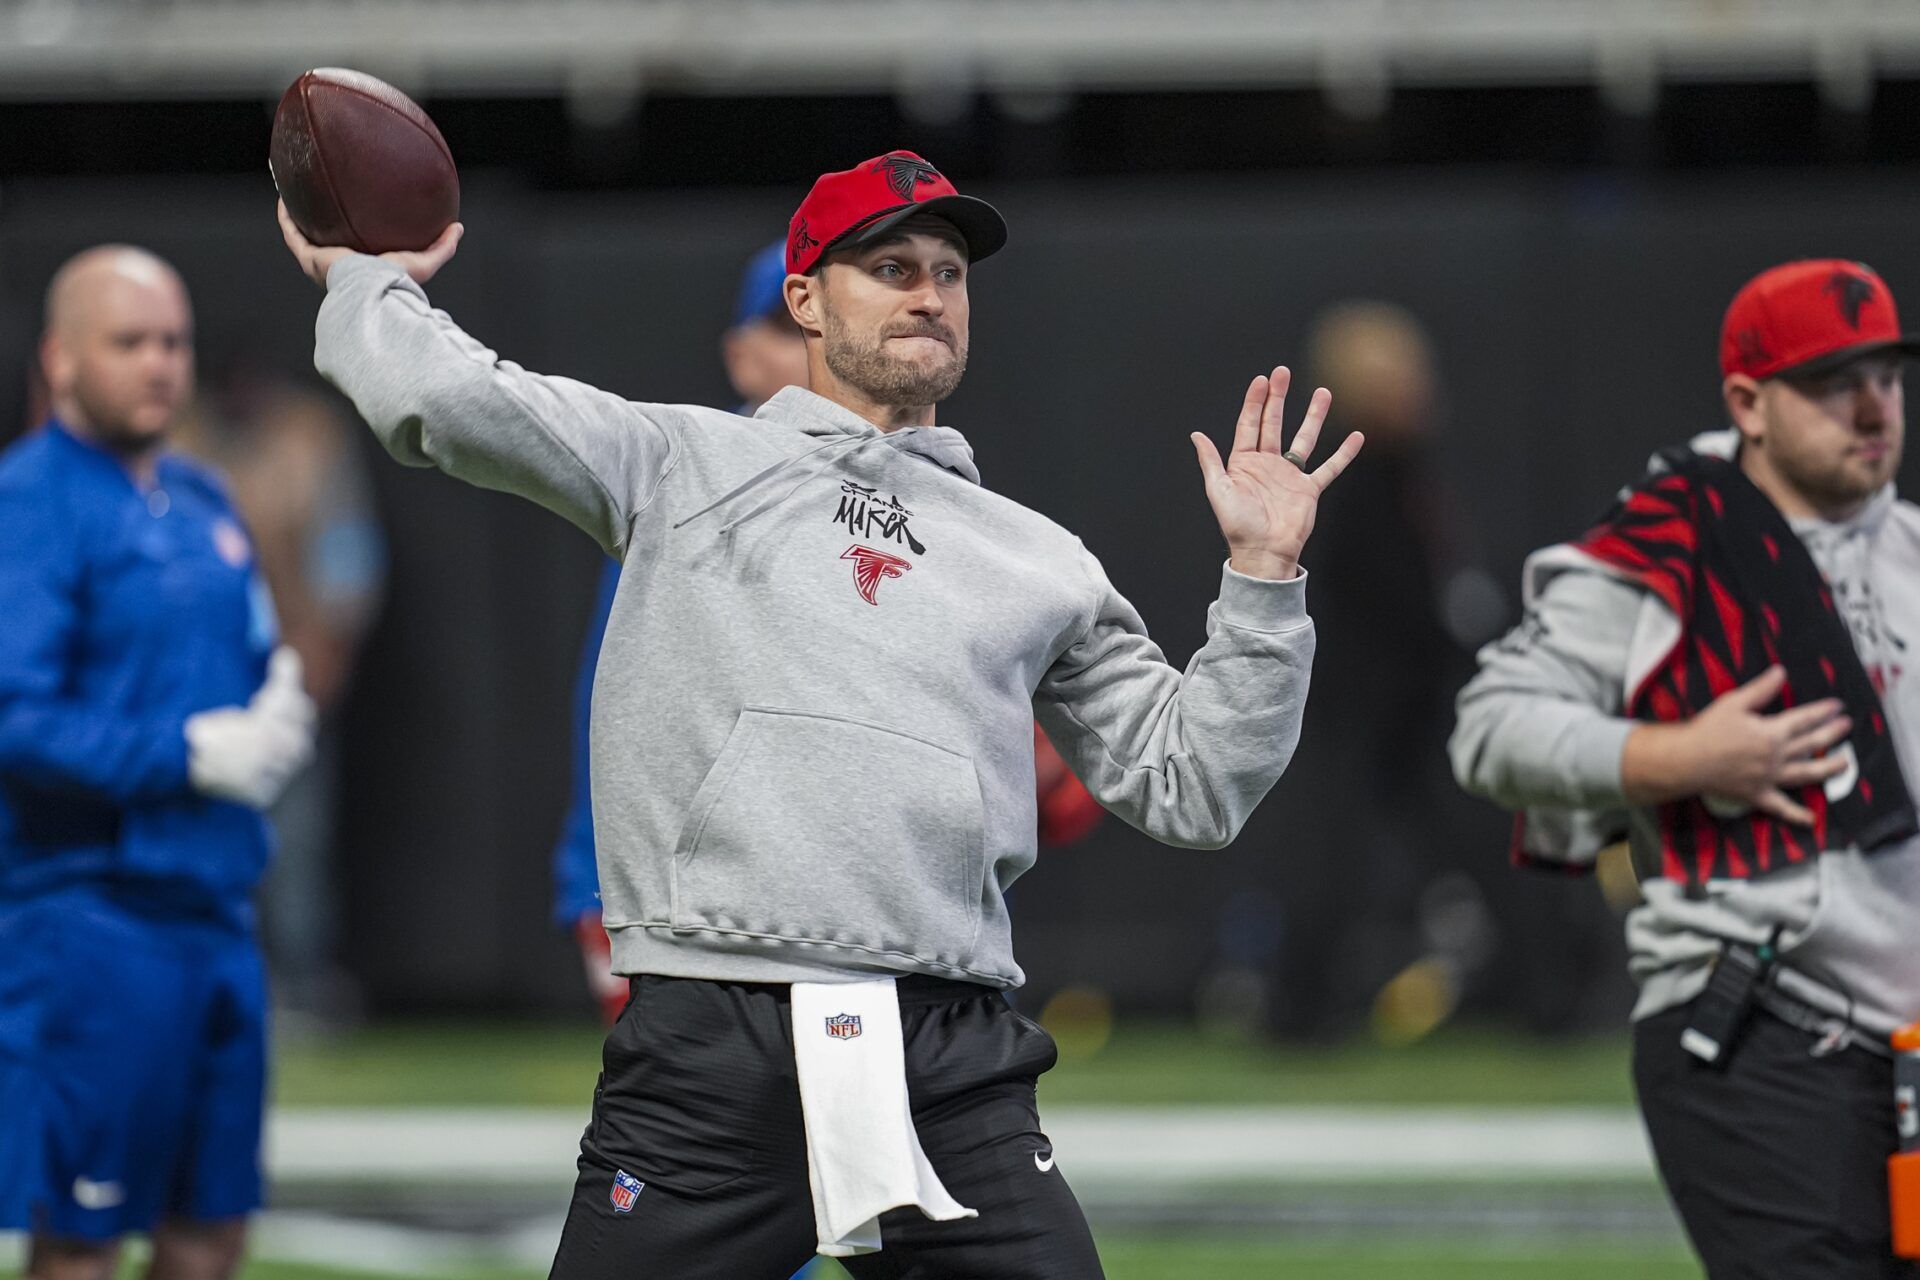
{"points": [[826, 829]]}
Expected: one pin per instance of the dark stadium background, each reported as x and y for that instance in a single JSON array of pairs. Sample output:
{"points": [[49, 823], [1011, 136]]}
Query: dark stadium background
{"points": [[1571, 261]]}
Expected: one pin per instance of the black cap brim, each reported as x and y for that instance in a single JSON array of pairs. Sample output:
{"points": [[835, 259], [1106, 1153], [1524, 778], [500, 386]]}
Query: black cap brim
{"points": [[978, 223], [1908, 344]]}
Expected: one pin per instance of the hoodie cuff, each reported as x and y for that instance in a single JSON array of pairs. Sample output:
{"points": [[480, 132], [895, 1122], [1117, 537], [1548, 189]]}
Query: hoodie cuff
{"points": [[1262, 604], [363, 266], [1592, 760]]}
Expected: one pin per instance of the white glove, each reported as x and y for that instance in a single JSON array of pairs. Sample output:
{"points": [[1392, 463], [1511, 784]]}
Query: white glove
{"points": [[249, 754]]}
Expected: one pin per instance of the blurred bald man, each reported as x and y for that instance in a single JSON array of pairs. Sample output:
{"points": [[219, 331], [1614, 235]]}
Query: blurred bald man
{"points": [[1364, 907], [145, 720]]}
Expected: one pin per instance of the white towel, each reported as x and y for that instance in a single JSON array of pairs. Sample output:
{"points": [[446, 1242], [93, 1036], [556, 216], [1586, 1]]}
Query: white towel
{"points": [[863, 1155]]}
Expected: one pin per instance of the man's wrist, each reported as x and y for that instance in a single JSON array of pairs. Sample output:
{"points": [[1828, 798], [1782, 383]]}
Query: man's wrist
{"points": [[1258, 563], [325, 263], [1656, 764]]}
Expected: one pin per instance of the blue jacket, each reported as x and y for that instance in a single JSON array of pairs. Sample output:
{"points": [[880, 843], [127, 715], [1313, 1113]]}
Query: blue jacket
{"points": [[121, 614], [576, 877]]}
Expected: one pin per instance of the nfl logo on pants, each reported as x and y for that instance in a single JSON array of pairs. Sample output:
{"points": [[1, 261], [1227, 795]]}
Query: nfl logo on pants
{"points": [[843, 1026], [626, 1189]]}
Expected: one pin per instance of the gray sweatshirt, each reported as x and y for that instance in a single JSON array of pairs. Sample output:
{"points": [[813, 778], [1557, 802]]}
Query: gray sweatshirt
{"points": [[1542, 728], [812, 742]]}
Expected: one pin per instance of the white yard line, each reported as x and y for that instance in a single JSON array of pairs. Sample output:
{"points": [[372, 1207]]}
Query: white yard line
{"points": [[1126, 1145], [1161, 1145], [492, 1144], [1123, 1152]]}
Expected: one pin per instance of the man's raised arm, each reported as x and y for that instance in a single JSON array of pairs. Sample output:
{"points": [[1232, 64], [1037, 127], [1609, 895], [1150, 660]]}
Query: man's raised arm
{"points": [[437, 397], [1186, 758]]}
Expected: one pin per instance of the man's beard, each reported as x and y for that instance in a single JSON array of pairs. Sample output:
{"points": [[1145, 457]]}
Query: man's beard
{"points": [[1836, 487], [863, 363], [111, 422], [1830, 484]]}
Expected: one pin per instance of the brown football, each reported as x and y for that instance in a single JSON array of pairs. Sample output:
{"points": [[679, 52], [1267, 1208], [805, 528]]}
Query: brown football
{"points": [[359, 164]]}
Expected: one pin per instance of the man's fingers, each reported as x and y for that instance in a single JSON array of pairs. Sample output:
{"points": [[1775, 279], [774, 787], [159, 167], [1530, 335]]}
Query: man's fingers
{"points": [[1273, 417], [1308, 432], [1822, 735], [288, 232], [1760, 690], [313, 259], [1804, 773], [1246, 430], [1308, 435], [1329, 471], [1800, 721], [1211, 468], [1774, 801], [424, 264]]}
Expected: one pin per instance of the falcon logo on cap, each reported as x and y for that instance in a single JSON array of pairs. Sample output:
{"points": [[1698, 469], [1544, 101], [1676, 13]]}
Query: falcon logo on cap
{"points": [[905, 171], [1809, 318], [1850, 293], [1753, 348], [853, 206]]}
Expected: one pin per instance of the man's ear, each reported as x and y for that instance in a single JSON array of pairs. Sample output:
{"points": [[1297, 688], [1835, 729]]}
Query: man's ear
{"points": [[735, 356], [56, 363], [803, 301], [1741, 396]]}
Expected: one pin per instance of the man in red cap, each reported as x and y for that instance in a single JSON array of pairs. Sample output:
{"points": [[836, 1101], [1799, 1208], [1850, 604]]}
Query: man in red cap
{"points": [[1717, 675], [812, 743]]}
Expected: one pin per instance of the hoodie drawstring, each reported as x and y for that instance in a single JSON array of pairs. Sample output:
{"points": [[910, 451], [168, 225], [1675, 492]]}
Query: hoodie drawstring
{"points": [[848, 446]]}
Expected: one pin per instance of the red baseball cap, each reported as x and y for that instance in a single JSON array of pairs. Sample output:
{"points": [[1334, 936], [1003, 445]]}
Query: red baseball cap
{"points": [[1810, 317], [855, 205]]}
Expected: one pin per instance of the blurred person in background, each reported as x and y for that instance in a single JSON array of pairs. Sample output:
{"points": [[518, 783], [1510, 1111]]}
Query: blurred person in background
{"points": [[1068, 811], [1718, 673], [764, 353], [146, 720], [1381, 890], [292, 460], [818, 969]]}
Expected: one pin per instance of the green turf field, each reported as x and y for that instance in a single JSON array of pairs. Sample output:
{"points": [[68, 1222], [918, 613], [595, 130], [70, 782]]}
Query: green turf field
{"points": [[1179, 1257], [469, 1064], [1188, 1259], [520, 1065]]}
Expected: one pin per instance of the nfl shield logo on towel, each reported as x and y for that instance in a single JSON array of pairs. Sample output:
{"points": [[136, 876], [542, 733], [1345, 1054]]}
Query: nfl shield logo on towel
{"points": [[843, 1026], [626, 1189]]}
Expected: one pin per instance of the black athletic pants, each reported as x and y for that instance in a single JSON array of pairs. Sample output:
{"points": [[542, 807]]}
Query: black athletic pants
{"points": [[697, 1101], [1778, 1163]]}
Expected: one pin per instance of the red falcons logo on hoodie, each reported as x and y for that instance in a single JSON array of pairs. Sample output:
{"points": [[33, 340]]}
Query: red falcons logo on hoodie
{"points": [[869, 566]]}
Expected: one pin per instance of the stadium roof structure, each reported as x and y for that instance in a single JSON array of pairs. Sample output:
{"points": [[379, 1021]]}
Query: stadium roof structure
{"points": [[604, 51]]}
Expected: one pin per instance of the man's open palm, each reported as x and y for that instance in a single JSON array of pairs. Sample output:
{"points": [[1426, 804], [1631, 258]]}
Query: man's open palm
{"points": [[1265, 504]]}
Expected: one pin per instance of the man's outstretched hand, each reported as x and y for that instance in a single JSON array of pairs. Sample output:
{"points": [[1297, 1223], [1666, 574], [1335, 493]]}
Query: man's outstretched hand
{"points": [[1264, 503], [317, 260]]}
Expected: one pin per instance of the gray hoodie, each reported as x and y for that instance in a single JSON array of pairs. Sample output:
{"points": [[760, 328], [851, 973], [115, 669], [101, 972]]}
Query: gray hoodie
{"points": [[1542, 727], [812, 720]]}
